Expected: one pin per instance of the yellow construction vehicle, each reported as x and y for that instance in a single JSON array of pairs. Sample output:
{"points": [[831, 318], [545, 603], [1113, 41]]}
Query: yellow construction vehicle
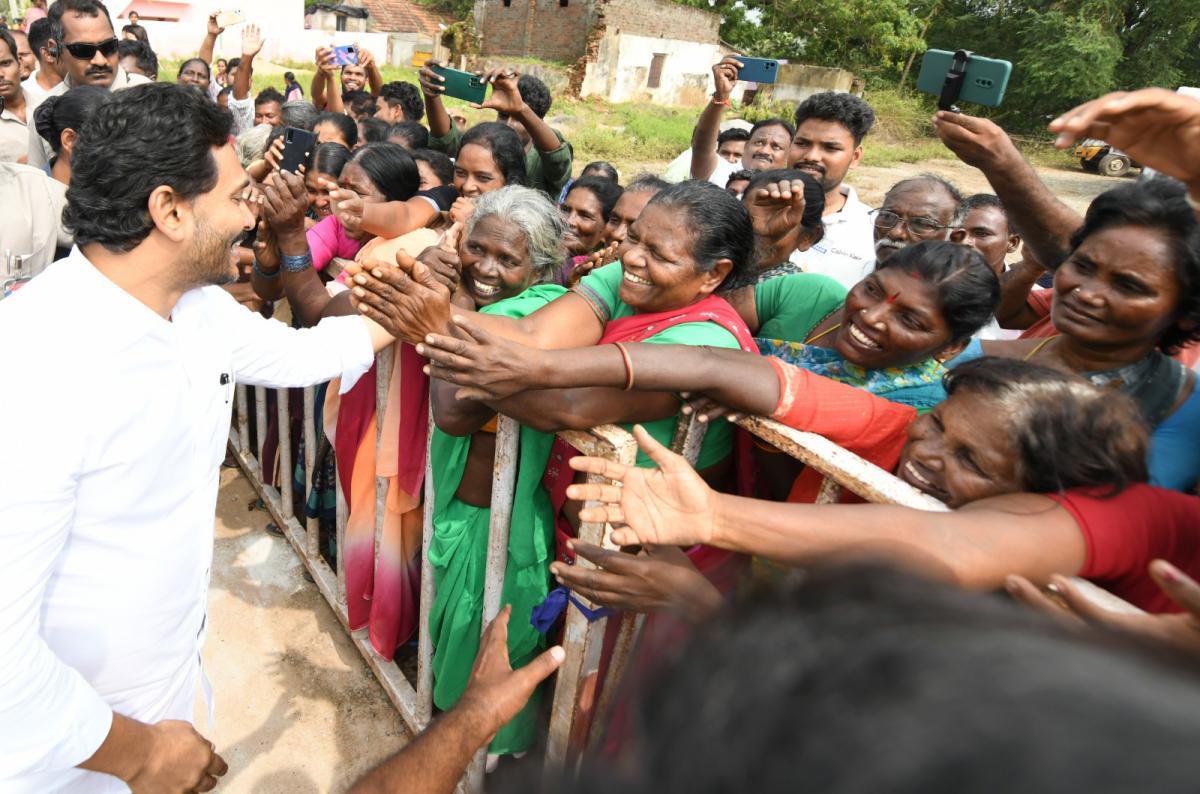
{"points": [[1100, 158]]}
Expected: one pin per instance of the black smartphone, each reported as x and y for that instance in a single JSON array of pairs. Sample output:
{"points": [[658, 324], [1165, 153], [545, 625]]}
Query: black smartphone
{"points": [[297, 146]]}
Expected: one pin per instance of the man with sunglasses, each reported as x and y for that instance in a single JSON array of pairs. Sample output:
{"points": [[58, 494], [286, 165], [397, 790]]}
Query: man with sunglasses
{"points": [[85, 43]]}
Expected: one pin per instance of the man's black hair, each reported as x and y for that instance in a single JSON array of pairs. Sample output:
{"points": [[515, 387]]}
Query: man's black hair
{"points": [[373, 130], [6, 37], [343, 122], [407, 96], [741, 174], [791, 131], [360, 102], [443, 166], [732, 134], [1160, 204], [232, 63], [39, 35], [146, 59], [145, 137], [846, 109], [268, 94], [869, 679], [414, 134], [87, 8], [536, 95]]}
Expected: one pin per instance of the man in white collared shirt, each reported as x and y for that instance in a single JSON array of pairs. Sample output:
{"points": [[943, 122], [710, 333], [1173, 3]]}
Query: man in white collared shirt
{"points": [[83, 41], [46, 77], [117, 394], [830, 128]]}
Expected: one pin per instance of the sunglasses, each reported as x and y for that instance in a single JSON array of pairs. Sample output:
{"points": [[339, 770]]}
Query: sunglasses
{"points": [[85, 52]]}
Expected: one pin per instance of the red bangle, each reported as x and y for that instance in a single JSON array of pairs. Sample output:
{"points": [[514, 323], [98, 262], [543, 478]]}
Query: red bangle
{"points": [[715, 101], [628, 365]]}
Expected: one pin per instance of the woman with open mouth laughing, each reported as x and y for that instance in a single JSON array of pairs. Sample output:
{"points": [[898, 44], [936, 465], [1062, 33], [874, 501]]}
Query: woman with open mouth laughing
{"points": [[1126, 298]]}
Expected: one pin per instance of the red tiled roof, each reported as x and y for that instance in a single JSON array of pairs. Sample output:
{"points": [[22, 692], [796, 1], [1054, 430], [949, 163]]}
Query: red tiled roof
{"points": [[405, 16]]}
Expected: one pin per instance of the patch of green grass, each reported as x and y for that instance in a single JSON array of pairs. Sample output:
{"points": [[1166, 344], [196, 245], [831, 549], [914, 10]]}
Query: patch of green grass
{"points": [[885, 154]]}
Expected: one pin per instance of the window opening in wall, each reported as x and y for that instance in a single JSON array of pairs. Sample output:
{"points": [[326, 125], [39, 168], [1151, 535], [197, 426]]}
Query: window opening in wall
{"points": [[562, 3], [656, 66], [507, 3], [340, 22]]}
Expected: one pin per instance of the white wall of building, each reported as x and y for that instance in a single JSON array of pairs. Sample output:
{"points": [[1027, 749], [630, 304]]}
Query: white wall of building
{"points": [[622, 67], [281, 23]]}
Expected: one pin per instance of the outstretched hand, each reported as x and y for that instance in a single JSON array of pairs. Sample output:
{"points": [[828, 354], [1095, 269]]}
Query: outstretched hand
{"points": [[495, 692], [407, 300], [669, 505], [725, 77], [1181, 630], [347, 205], [213, 28], [487, 366], [252, 41], [1156, 127], [286, 201], [656, 579], [977, 142], [505, 97], [776, 208]]}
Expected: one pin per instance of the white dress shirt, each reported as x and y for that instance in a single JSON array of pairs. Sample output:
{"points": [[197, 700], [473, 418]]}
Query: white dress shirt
{"points": [[848, 247], [115, 425]]}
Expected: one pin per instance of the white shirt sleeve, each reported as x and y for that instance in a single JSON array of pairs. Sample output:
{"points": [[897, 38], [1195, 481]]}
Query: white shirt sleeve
{"points": [[243, 113], [50, 717], [269, 353]]}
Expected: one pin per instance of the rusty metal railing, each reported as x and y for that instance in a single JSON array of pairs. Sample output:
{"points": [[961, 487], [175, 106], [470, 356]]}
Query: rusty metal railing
{"points": [[582, 640]]}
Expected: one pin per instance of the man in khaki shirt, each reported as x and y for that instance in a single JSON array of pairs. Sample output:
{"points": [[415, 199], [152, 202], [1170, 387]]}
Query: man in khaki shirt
{"points": [[31, 224], [14, 132], [87, 55]]}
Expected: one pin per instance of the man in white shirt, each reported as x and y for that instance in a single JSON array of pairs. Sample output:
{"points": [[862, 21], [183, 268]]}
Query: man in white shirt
{"points": [[766, 148], [46, 76], [830, 128], [118, 385], [85, 45]]}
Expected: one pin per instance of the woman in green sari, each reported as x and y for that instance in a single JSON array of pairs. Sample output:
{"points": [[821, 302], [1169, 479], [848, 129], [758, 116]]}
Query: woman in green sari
{"points": [[512, 244]]}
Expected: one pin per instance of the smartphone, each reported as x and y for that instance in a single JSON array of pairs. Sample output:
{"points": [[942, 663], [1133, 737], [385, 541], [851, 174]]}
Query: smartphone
{"points": [[462, 85], [758, 70], [345, 56], [984, 83], [229, 18], [297, 146]]}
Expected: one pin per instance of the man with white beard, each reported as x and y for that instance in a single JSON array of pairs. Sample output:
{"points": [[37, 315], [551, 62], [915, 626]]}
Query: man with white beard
{"points": [[924, 207]]}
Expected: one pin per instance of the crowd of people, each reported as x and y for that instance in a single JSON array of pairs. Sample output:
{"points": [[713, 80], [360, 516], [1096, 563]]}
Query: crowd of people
{"points": [[1031, 368]]}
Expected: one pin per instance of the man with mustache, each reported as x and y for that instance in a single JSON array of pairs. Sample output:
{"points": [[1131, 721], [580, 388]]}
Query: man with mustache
{"points": [[924, 207], [14, 103], [121, 393], [766, 148], [84, 42], [830, 128]]}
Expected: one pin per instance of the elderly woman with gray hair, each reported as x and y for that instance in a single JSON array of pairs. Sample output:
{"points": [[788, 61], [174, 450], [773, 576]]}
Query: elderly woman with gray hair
{"points": [[511, 248]]}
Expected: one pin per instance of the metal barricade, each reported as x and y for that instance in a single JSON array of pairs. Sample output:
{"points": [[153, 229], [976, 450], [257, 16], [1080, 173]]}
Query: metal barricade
{"points": [[414, 699], [582, 640]]}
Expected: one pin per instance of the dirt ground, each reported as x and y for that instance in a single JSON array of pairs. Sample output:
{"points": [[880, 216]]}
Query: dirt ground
{"points": [[296, 709], [1076, 188]]}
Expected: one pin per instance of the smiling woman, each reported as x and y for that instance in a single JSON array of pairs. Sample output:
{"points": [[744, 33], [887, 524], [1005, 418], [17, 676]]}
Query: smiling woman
{"points": [[1127, 297]]}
